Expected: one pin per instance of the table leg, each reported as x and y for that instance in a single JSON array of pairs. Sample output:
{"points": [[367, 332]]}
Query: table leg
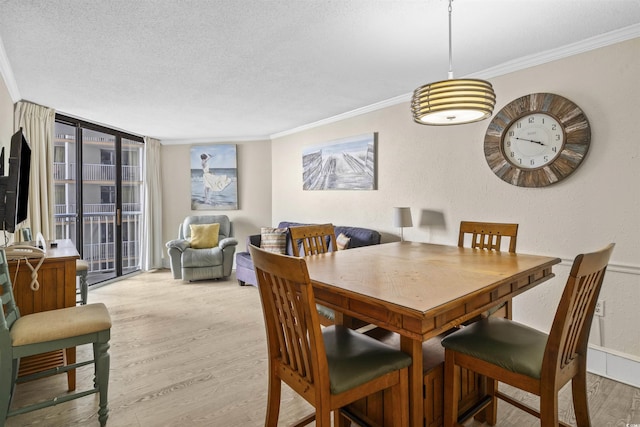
{"points": [[416, 380]]}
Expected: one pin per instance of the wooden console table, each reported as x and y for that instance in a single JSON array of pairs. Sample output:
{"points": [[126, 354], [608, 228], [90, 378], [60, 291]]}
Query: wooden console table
{"points": [[57, 278]]}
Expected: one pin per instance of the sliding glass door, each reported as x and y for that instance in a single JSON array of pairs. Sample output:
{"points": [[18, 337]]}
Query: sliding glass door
{"points": [[98, 194]]}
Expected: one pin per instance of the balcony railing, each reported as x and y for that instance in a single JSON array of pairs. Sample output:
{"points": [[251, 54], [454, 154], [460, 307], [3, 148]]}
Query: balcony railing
{"points": [[71, 208], [98, 231], [95, 172]]}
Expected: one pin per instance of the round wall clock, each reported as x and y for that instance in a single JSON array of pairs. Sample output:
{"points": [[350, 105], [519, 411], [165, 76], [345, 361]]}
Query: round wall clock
{"points": [[537, 140]]}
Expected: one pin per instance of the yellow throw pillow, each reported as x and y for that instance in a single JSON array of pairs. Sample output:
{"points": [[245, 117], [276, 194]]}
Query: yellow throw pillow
{"points": [[204, 236]]}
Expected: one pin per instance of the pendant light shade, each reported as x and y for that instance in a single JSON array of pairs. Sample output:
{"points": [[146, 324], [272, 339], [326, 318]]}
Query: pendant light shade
{"points": [[453, 101]]}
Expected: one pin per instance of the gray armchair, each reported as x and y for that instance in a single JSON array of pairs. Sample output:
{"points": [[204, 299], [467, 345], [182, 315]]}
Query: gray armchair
{"points": [[189, 264]]}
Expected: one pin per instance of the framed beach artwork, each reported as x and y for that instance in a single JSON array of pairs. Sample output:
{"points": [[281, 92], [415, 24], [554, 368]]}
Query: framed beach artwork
{"points": [[344, 164], [214, 177]]}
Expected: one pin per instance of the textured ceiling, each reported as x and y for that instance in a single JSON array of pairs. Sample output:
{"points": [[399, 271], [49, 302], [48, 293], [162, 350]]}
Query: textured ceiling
{"points": [[240, 69]]}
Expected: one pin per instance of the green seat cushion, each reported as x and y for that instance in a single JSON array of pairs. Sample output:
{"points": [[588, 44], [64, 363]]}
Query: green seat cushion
{"points": [[505, 343], [355, 358]]}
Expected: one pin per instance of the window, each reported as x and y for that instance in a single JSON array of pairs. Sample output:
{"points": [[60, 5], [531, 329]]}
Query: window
{"points": [[98, 193]]}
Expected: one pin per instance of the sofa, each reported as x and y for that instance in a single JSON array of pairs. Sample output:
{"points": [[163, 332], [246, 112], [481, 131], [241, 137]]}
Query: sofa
{"points": [[200, 263], [244, 265]]}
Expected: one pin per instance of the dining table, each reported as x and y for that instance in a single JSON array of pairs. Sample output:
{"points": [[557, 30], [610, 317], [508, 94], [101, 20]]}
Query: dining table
{"points": [[421, 290]]}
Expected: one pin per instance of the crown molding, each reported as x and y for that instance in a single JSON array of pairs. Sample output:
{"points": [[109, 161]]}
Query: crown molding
{"points": [[613, 37], [214, 140], [586, 45], [7, 75]]}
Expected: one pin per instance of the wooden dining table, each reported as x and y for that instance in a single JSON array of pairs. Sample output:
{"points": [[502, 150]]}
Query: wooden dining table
{"points": [[421, 290]]}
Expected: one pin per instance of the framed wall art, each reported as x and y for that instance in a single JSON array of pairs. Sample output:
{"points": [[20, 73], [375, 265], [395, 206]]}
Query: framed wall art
{"points": [[214, 177], [344, 164]]}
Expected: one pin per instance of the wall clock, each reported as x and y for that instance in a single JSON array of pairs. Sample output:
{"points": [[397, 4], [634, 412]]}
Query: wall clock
{"points": [[537, 140]]}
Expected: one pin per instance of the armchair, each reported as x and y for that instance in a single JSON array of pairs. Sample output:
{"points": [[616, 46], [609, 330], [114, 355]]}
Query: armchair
{"points": [[198, 263]]}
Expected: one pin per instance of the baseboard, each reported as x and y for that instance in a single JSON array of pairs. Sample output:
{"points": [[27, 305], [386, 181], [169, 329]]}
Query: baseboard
{"points": [[617, 366]]}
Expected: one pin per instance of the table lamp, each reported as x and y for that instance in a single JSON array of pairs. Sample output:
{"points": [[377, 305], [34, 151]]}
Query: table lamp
{"points": [[402, 218]]}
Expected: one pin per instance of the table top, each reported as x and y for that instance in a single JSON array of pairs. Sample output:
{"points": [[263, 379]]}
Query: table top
{"points": [[62, 249], [420, 278], [65, 249]]}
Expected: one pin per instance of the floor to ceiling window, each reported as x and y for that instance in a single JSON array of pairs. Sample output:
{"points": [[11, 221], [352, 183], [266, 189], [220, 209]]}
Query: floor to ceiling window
{"points": [[98, 195]]}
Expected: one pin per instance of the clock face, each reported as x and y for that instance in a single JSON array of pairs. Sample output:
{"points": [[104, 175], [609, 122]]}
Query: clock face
{"points": [[537, 140], [533, 140]]}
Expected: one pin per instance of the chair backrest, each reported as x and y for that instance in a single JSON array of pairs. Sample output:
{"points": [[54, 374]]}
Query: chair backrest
{"points": [[9, 312], [225, 225], [314, 239], [488, 235], [294, 337], [569, 335]]}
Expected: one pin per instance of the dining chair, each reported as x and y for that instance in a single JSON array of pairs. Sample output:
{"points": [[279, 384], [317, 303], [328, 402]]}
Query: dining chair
{"points": [[307, 240], [82, 270], [525, 358], [488, 236], [312, 239], [329, 367], [22, 336]]}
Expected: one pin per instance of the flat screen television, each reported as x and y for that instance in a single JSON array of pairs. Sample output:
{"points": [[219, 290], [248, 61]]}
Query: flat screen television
{"points": [[14, 187]]}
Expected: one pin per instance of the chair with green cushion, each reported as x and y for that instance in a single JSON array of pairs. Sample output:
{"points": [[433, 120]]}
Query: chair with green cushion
{"points": [[523, 357], [308, 240], [329, 367], [22, 336], [489, 236]]}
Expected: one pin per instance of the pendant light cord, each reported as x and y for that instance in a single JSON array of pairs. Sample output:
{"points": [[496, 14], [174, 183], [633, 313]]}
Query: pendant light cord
{"points": [[450, 49]]}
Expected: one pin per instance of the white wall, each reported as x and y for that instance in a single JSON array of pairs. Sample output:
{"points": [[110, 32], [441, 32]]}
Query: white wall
{"points": [[6, 131], [254, 190], [442, 170], [6, 118]]}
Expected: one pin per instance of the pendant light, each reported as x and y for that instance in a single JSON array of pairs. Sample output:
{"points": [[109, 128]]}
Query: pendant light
{"points": [[453, 101]]}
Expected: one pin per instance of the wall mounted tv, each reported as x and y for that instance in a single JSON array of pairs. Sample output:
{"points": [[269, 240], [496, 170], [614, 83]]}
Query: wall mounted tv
{"points": [[14, 187]]}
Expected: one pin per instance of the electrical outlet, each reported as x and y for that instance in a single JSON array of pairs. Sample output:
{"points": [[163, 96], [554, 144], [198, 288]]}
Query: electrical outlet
{"points": [[600, 308]]}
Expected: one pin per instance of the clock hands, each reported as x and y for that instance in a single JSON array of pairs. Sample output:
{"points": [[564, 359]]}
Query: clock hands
{"points": [[531, 140]]}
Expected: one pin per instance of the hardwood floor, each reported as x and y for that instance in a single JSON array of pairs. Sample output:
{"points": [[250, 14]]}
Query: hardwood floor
{"points": [[194, 354]]}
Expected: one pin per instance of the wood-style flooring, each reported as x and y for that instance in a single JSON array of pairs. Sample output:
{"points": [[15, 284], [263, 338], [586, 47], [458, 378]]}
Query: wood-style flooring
{"points": [[194, 354]]}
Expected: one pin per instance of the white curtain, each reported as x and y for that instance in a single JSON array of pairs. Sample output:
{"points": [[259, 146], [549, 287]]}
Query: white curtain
{"points": [[37, 123], [152, 244]]}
